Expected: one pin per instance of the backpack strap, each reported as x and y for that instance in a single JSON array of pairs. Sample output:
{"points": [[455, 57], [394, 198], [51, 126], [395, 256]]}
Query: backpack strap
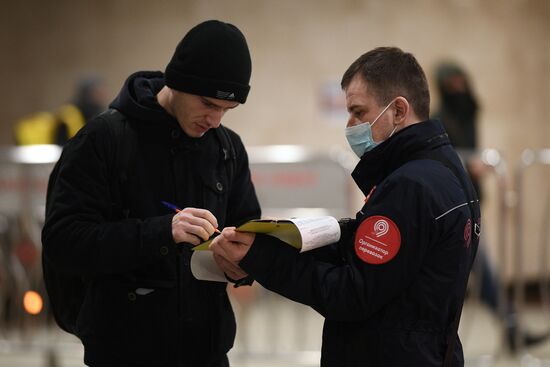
{"points": [[228, 149], [230, 159], [124, 140]]}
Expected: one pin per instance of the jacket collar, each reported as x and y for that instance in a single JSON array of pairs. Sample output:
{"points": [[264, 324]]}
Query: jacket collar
{"points": [[386, 157]]}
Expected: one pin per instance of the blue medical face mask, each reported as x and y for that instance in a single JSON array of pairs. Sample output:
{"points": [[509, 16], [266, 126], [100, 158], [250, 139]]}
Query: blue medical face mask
{"points": [[360, 136]]}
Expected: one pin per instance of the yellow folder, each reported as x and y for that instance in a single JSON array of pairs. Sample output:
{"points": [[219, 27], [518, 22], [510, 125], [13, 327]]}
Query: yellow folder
{"points": [[302, 233]]}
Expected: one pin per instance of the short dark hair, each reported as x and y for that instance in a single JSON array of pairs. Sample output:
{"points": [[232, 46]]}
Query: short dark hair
{"points": [[390, 73]]}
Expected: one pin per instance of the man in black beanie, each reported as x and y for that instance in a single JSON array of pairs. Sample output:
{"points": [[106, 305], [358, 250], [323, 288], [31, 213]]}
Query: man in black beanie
{"points": [[132, 191]]}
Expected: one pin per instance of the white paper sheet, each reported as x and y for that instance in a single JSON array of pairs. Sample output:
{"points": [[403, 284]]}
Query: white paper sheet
{"points": [[204, 267], [317, 231]]}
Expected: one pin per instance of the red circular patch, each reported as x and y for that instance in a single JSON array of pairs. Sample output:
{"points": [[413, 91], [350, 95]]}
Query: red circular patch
{"points": [[377, 240]]}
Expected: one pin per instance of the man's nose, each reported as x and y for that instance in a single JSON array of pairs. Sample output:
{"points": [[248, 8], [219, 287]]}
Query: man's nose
{"points": [[214, 118], [351, 121]]}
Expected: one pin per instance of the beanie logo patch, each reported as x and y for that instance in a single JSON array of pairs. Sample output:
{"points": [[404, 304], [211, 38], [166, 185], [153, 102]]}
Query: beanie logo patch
{"points": [[225, 95]]}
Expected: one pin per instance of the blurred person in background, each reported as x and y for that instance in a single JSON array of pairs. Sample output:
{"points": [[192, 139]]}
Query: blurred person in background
{"points": [[107, 224], [458, 111], [391, 289], [90, 98]]}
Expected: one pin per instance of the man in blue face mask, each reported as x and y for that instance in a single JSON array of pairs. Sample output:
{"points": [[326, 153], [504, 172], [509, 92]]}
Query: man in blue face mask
{"points": [[367, 102], [391, 289], [360, 136]]}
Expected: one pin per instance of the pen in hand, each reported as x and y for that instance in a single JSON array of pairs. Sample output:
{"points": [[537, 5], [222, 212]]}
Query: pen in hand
{"points": [[177, 210], [171, 206]]}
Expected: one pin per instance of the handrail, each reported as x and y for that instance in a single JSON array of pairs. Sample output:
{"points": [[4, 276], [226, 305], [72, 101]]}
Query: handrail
{"points": [[495, 160], [529, 158]]}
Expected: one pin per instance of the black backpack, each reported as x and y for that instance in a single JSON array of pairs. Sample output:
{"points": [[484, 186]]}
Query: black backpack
{"points": [[66, 292]]}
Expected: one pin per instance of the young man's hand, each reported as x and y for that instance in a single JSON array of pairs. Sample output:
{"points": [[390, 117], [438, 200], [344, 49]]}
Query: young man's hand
{"points": [[194, 226]]}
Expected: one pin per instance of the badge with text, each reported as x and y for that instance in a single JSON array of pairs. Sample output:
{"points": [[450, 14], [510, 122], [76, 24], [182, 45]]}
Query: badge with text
{"points": [[377, 240]]}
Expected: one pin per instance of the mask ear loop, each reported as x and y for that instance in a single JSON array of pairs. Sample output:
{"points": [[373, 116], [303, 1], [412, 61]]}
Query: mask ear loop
{"points": [[393, 131], [395, 125], [381, 113], [384, 110]]}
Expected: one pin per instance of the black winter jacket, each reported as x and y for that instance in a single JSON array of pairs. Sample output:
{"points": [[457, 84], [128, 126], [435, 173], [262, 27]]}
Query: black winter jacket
{"points": [[391, 287], [143, 307]]}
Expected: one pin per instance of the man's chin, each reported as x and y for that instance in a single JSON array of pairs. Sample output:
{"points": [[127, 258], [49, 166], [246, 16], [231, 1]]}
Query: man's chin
{"points": [[195, 133], [199, 131]]}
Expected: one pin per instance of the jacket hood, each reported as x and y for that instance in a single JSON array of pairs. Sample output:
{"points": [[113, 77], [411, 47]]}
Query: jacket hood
{"points": [[386, 157], [138, 97]]}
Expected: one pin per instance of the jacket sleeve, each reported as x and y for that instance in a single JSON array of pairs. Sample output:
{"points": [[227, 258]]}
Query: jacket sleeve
{"points": [[243, 204], [85, 233], [353, 289]]}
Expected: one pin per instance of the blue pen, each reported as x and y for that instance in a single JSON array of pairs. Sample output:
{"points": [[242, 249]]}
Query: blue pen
{"points": [[171, 206]]}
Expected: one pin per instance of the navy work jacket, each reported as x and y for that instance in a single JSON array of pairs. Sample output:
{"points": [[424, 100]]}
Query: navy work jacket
{"points": [[392, 285]]}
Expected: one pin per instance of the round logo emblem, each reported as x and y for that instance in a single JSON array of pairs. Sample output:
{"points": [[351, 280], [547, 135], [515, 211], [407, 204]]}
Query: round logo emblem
{"points": [[468, 233], [377, 240]]}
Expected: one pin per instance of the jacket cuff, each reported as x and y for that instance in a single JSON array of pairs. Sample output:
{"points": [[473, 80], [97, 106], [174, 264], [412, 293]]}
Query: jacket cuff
{"points": [[157, 237], [263, 255], [240, 282]]}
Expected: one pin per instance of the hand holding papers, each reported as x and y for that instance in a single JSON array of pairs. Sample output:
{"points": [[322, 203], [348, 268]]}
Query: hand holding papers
{"points": [[302, 233]]}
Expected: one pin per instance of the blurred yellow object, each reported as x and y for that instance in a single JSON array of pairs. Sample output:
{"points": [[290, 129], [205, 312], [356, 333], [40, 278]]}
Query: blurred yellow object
{"points": [[72, 117], [32, 302], [40, 127]]}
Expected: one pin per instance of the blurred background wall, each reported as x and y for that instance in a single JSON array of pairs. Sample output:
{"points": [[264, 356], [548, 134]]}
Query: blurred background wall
{"points": [[298, 48]]}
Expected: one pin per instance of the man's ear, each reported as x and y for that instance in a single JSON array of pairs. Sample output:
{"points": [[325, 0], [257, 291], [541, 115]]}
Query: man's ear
{"points": [[402, 109]]}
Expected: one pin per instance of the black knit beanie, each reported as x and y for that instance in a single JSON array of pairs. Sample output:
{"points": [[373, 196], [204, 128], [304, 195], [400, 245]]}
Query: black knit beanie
{"points": [[212, 60]]}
